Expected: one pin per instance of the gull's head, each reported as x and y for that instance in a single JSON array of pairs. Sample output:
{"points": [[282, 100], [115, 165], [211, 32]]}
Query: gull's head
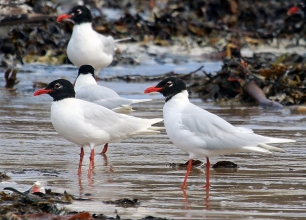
{"points": [[86, 75], [86, 69], [58, 89], [78, 14], [168, 87]]}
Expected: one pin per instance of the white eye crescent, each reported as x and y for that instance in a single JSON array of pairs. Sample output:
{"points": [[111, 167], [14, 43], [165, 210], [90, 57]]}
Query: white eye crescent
{"points": [[169, 84], [57, 86]]}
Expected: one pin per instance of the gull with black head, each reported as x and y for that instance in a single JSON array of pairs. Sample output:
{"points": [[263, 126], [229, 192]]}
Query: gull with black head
{"points": [[86, 46], [88, 124], [87, 88], [201, 133]]}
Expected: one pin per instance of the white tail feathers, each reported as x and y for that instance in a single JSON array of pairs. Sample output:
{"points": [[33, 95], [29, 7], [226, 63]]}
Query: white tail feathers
{"points": [[156, 128], [140, 100], [122, 39], [152, 129], [269, 147], [144, 132], [256, 149], [124, 109], [127, 109], [265, 148], [155, 120], [279, 140]]}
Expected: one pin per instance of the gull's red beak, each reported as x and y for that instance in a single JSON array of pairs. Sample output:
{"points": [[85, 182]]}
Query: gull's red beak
{"points": [[42, 91], [63, 17], [293, 10], [152, 89]]}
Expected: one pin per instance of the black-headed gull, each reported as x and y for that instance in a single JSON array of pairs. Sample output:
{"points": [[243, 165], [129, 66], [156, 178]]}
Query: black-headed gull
{"points": [[87, 89], [86, 46], [88, 124], [201, 133]]}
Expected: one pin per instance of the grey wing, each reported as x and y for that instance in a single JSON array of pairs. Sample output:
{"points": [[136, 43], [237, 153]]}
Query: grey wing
{"points": [[108, 44], [116, 125], [104, 96], [94, 93], [216, 132], [112, 103], [105, 120]]}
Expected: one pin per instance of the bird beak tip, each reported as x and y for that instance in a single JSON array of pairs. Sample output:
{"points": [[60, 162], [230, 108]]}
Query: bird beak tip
{"points": [[152, 89], [41, 91], [63, 17]]}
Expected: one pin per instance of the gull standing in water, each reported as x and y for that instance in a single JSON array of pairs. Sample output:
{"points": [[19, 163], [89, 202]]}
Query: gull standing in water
{"points": [[201, 133], [88, 124]]}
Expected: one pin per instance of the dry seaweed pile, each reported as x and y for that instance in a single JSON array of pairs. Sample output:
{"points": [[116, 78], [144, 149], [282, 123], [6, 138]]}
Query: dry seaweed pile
{"points": [[38, 205], [272, 81], [208, 21], [161, 22], [280, 79], [26, 205]]}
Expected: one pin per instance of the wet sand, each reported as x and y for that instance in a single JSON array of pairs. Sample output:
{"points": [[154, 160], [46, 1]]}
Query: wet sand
{"points": [[265, 186]]}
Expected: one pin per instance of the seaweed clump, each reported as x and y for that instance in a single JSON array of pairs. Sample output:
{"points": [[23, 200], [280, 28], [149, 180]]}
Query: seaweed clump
{"points": [[259, 78]]}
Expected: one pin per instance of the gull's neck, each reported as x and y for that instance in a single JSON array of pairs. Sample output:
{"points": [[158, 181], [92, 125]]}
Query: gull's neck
{"points": [[183, 95], [84, 27], [85, 79]]}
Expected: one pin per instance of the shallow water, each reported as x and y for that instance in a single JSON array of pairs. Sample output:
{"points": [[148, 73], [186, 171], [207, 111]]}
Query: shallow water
{"points": [[265, 186]]}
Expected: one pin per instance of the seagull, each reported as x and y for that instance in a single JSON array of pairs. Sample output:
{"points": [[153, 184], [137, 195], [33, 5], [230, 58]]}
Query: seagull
{"points": [[201, 133], [86, 46], [87, 89], [88, 124]]}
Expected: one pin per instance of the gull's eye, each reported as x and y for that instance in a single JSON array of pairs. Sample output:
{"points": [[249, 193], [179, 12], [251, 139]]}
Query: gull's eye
{"points": [[169, 84], [57, 86], [79, 11]]}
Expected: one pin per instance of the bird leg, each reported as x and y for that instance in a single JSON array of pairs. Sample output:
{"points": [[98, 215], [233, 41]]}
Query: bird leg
{"points": [[207, 198], [185, 200], [91, 160], [207, 185], [184, 185], [104, 149], [81, 161]]}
